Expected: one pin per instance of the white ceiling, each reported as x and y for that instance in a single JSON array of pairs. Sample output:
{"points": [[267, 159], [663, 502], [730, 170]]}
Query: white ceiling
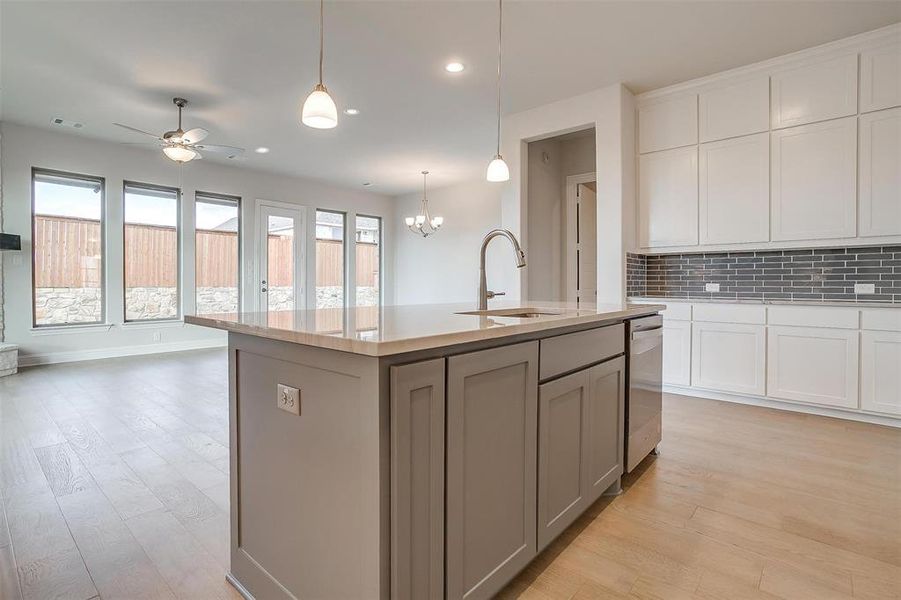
{"points": [[246, 67]]}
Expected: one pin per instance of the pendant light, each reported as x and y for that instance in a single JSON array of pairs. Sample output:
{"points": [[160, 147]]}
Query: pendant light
{"points": [[319, 110], [424, 223], [497, 168]]}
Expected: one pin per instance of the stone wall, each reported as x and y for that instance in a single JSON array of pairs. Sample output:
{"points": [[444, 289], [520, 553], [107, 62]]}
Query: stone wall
{"points": [[55, 306]]}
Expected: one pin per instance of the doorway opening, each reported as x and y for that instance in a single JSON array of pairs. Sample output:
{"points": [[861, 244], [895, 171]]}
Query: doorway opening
{"points": [[562, 218]]}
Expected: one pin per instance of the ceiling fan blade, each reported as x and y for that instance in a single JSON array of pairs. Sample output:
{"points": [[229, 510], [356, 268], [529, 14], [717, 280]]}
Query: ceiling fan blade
{"points": [[154, 144], [136, 130], [195, 135], [230, 151]]}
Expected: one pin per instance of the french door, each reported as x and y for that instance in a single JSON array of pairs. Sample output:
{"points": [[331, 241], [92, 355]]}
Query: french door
{"points": [[282, 252]]}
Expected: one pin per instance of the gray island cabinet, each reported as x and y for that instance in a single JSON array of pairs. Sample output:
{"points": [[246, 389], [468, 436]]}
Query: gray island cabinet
{"points": [[419, 454]]}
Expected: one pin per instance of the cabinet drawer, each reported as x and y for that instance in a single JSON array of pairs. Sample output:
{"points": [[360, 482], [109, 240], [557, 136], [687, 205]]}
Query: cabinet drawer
{"points": [[814, 316], [754, 314], [569, 352], [881, 319]]}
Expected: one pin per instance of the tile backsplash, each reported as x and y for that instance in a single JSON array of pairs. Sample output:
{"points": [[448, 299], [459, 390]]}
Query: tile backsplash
{"points": [[818, 274]]}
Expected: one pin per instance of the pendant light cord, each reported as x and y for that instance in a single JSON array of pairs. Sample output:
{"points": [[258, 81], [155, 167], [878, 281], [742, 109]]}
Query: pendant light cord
{"points": [[321, 35], [500, 28]]}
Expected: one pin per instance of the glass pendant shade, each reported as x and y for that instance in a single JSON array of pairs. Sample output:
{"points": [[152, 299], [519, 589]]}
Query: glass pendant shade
{"points": [[497, 170], [319, 110], [180, 153]]}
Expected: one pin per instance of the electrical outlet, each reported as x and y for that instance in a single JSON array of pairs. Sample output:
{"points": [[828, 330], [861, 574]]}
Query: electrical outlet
{"points": [[157, 336], [712, 287], [288, 399], [864, 288]]}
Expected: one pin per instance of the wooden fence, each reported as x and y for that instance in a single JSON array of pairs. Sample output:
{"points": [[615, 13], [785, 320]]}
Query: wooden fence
{"points": [[67, 254]]}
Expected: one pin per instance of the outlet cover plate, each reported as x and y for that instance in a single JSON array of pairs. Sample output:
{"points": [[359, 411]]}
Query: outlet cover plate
{"points": [[712, 287], [288, 399], [864, 288]]}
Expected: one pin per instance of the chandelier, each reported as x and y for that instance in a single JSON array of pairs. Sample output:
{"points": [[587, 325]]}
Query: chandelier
{"points": [[424, 223]]}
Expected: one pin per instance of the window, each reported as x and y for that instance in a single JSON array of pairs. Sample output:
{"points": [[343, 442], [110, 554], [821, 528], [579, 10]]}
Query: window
{"points": [[369, 239], [151, 252], [329, 259], [67, 259], [217, 232]]}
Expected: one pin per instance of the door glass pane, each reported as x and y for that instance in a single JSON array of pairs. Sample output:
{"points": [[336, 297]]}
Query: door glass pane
{"points": [[151, 253], [217, 259], [68, 250], [329, 259], [280, 259], [369, 238]]}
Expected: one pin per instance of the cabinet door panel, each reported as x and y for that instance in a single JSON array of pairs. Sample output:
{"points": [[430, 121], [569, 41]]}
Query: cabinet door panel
{"points": [[880, 173], [735, 190], [668, 123], [492, 428], [740, 108], [815, 92], [814, 365], [814, 171], [417, 480], [880, 371], [729, 357], [606, 425], [880, 78], [676, 352], [562, 443], [668, 198]]}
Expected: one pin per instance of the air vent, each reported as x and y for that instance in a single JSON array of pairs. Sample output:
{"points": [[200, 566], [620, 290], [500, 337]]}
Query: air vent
{"points": [[60, 122]]}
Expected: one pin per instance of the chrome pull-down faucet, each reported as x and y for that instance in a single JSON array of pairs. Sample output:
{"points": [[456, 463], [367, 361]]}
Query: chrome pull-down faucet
{"points": [[484, 293]]}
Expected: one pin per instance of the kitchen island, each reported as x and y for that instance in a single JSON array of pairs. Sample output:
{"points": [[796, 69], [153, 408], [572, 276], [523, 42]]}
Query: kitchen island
{"points": [[416, 451]]}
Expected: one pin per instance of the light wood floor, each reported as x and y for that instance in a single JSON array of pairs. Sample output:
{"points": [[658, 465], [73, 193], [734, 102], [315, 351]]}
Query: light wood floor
{"points": [[114, 479]]}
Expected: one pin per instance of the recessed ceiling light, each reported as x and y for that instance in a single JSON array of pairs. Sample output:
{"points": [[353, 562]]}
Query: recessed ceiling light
{"points": [[454, 67], [262, 150], [351, 111]]}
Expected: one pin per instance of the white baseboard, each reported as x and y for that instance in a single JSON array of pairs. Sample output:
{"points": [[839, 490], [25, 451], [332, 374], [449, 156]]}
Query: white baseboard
{"points": [[32, 360], [810, 409]]}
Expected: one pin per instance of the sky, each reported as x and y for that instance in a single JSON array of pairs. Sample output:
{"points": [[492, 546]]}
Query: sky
{"points": [[84, 203]]}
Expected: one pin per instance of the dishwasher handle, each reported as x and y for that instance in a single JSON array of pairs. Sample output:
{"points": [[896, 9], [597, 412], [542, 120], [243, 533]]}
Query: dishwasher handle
{"points": [[644, 341], [645, 334]]}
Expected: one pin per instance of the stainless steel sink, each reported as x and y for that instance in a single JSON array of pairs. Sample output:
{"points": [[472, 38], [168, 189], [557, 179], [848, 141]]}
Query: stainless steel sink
{"points": [[516, 313]]}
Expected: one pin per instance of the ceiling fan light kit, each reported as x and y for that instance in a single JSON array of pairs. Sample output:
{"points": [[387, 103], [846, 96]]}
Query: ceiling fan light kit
{"points": [[319, 110]]}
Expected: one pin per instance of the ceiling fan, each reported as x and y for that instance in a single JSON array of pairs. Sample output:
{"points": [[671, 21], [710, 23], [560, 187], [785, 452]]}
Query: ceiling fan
{"points": [[184, 146]]}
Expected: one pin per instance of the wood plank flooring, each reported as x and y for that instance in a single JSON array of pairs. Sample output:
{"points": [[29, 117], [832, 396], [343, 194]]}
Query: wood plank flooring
{"points": [[114, 484]]}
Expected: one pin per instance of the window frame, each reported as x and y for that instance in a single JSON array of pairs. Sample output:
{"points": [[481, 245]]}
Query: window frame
{"points": [[126, 184], [224, 200], [381, 246], [344, 242], [96, 179]]}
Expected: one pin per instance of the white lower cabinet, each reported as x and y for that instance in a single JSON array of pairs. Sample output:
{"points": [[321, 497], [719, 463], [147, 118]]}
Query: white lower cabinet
{"points": [[676, 352], [729, 357], [815, 365], [880, 371]]}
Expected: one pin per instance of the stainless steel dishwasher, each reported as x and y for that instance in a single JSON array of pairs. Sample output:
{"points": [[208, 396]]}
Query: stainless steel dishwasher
{"points": [[644, 396]]}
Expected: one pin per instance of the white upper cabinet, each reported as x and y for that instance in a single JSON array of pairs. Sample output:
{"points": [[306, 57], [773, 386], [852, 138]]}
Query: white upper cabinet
{"points": [[668, 123], [814, 187], [735, 190], [815, 92], [880, 173], [880, 78], [736, 109], [668, 198]]}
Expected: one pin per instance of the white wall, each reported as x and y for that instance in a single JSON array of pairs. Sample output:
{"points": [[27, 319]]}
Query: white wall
{"points": [[27, 147], [445, 267]]}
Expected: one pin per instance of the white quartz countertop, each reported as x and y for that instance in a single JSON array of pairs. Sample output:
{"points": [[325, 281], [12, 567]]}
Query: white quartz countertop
{"points": [[382, 331], [844, 303]]}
